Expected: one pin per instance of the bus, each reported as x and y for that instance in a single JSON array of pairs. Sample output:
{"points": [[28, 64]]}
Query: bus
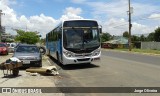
{"points": [[75, 42]]}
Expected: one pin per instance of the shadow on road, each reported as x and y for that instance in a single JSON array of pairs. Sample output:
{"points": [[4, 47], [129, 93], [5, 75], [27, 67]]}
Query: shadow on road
{"points": [[11, 76], [72, 66]]}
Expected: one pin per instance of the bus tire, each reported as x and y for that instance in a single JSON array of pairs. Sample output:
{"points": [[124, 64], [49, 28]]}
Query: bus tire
{"points": [[57, 55]]}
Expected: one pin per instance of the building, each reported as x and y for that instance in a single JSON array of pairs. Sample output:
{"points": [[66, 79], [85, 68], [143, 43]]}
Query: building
{"points": [[2, 31], [116, 42], [7, 37]]}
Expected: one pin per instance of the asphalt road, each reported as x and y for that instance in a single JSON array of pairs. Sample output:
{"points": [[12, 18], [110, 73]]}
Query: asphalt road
{"points": [[116, 69], [143, 58]]}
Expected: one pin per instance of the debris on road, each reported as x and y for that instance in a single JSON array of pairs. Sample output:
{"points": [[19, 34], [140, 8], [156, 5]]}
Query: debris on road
{"points": [[43, 70], [34, 74], [11, 64]]}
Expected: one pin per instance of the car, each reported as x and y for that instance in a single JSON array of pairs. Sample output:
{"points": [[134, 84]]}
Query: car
{"points": [[3, 49], [11, 47], [30, 55]]}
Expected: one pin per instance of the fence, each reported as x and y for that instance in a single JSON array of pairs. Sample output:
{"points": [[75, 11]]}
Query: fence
{"points": [[150, 45]]}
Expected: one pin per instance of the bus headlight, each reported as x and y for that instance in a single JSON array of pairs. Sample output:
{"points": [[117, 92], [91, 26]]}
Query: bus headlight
{"points": [[96, 52], [68, 54]]}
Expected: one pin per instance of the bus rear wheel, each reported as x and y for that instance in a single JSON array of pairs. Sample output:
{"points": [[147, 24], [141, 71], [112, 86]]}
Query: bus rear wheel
{"points": [[58, 61]]}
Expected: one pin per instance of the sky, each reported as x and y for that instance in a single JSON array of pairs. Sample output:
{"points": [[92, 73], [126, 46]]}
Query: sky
{"points": [[43, 15]]}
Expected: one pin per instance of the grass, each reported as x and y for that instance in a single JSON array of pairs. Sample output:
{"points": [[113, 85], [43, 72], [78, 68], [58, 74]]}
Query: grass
{"points": [[141, 51]]}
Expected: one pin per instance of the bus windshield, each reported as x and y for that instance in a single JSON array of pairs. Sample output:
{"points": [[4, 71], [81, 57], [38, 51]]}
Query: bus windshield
{"points": [[81, 38]]}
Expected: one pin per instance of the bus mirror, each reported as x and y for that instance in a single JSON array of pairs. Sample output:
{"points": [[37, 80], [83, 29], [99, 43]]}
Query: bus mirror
{"points": [[100, 30]]}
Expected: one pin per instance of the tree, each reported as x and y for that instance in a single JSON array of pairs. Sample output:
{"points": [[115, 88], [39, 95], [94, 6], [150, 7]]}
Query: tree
{"points": [[105, 37], [150, 37], [142, 38], [126, 34], [27, 37], [157, 35], [135, 38]]}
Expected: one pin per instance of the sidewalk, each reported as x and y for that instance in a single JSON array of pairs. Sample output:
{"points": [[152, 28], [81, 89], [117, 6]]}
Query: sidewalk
{"points": [[26, 79]]}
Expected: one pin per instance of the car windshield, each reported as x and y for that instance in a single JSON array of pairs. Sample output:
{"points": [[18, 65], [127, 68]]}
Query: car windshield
{"points": [[81, 38], [2, 45], [27, 49]]}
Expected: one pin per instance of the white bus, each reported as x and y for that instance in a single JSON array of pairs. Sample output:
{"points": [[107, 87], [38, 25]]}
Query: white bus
{"points": [[75, 42]]}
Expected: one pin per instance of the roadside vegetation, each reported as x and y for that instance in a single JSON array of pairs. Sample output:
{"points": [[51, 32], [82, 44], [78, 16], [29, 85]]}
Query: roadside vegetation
{"points": [[27, 37], [136, 41], [140, 50], [151, 37]]}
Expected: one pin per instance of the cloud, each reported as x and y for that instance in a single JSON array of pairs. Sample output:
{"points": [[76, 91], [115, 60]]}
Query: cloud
{"points": [[71, 13], [141, 29], [10, 17], [118, 8], [70, 16], [118, 26], [40, 23], [109, 9], [114, 26], [8, 2], [154, 16], [72, 10], [111, 15]]}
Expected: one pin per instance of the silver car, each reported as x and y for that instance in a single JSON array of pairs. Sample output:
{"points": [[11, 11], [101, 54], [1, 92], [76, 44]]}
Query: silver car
{"points": [[29, 54]]}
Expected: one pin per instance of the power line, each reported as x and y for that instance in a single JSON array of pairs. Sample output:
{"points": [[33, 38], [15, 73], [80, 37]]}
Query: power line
{"points": [[120, 25], [125, 23]]}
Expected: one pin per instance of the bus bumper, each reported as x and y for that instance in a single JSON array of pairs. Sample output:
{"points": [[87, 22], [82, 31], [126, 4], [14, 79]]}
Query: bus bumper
{"points": [[79, 60]]}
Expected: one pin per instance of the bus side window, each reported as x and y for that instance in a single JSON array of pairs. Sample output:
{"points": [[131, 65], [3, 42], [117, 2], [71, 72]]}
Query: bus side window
{"points": [[60, 33], [59, 36]]}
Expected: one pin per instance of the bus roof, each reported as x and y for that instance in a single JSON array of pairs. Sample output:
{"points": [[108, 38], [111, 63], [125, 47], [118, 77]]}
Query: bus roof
{"points": [[78, 20], [61, 23]]}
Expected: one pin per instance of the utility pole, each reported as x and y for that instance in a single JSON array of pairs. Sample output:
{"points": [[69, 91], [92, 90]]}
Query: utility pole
{"points": [[0, 24], [130, 26]]}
